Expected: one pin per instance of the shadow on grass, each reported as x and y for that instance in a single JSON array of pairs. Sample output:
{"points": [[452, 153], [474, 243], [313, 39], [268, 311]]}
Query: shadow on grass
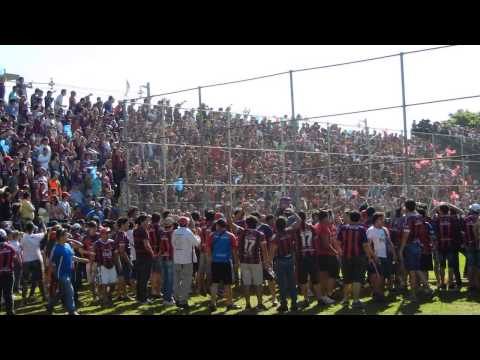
{"points": [[408, 308], [450, 296]]}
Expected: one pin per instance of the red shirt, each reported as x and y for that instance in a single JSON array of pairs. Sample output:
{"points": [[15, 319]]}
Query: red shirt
{"points": [[324, 249], [104, 250], [206, 231], [155, 238], [139, 236], [249, 245], [166, 248], [7, 254]]}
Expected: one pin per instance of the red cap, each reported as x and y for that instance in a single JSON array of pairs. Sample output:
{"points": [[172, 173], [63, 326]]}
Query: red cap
{"points": [[7, 158], [183, 221], [104, 230]]}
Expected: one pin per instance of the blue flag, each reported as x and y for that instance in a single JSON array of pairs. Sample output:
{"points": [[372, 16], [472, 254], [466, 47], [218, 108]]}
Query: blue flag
{"points": [[179, 184], [93, 172], [67, 130], [5, 146]]}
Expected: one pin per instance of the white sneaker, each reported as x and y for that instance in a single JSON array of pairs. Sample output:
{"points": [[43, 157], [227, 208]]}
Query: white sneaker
{"points": [[327, 301], [169, 303]]}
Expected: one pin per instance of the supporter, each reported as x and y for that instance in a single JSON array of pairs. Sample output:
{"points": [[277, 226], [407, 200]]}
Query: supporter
{"points": [[7, 257], [183, 243]]}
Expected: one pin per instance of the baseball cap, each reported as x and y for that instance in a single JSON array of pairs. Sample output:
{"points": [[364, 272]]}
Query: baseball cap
{"points": [[219, 216], [221, 222], [8, 158], [183, 221], [3, 233], [475, 208], [104, 230], [76, 226]]}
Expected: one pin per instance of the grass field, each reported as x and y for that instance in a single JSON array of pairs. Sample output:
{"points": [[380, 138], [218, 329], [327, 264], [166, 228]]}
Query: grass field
{"points": [[446, 303]]}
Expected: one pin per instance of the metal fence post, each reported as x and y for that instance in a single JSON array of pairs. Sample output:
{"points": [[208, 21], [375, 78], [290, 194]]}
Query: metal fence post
{"points": [[462, 140], [405, 132], [229, 142], [202, 149], [127, 156], [330, 192], [164, 154], [295, 153]]}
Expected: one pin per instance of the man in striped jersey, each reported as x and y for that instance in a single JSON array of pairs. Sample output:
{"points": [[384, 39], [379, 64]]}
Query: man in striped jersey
{"points": [[355, 250], [7, 257]]}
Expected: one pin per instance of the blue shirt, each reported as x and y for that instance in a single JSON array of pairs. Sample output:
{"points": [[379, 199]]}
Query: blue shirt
{"points": [[222, 247], [62, 257]]}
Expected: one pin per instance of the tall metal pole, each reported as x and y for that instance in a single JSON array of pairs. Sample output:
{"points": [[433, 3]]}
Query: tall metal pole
{"points": [[369, 192], [405, 132], [367, 132], [329, 149], [462, 140], [202, 149], [284, 160], [295, 153], [229, 141], [164, 154], [125, 138], [148, 93]]}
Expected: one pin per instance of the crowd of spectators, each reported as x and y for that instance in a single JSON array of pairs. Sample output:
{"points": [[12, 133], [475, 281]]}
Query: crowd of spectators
{"points": [[64, 157], [61, 157], [364, 165]]}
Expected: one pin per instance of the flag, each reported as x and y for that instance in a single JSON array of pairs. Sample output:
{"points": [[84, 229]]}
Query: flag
{"points": [[454, 196], [127, 89], [455, 172], [450, 152], [179, 185]]}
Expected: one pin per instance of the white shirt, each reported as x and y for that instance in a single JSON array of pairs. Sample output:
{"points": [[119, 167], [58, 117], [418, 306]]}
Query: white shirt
{"points": [[133, 254], [378, 237], [183, 242], [16, 245], [31, 247], [59, 102]]}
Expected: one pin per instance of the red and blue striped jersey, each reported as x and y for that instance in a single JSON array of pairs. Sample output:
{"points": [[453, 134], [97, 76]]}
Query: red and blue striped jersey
{"points": [[306, 240], [352, 238], [249, 245], [446, 231], [468, 225], [7, 254], [285, 242]]}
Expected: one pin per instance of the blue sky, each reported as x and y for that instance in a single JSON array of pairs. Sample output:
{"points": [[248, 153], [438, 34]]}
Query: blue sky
{"points": [[444, 73]]}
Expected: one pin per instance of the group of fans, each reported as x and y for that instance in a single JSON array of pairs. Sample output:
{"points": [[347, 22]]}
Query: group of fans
{"points": [[291, 253], [334, 161], [63, 171]]}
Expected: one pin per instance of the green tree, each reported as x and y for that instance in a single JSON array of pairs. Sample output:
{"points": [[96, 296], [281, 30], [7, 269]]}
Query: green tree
{"points": [[465, 118]]}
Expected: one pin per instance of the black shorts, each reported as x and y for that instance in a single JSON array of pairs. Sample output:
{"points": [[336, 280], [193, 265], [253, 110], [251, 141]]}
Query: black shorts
{"points": [[307, 266], [353, 269], [384, 268], [222, 273], [329, 264], [426, 262], [124, 270], [32, 270]]}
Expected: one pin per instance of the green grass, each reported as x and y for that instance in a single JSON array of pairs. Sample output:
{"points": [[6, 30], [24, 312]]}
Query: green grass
{"points": [[446, 303]]}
